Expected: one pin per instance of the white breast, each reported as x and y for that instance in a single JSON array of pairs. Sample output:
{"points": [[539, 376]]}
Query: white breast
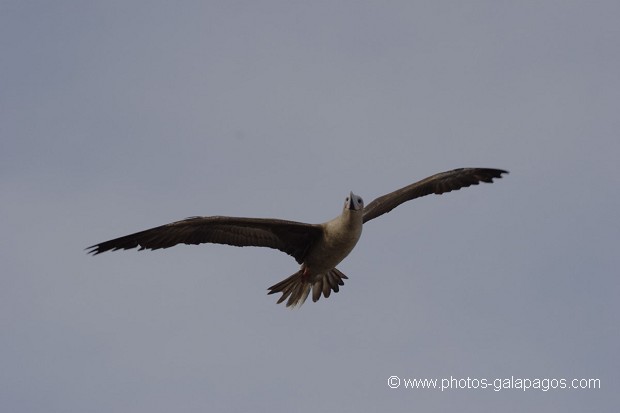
{"points": [[340, 237]]}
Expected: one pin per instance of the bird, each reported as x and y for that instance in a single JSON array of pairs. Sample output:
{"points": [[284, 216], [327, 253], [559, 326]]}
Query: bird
{"points": [[318, 248]]}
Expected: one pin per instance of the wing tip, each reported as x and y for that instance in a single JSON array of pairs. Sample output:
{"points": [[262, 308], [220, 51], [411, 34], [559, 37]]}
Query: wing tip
{"points": [[497, 172], [490, 174], [94, 250]]}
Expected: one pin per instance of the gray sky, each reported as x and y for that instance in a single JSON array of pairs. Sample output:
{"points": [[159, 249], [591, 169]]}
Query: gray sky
{"points": [[118, 116]]}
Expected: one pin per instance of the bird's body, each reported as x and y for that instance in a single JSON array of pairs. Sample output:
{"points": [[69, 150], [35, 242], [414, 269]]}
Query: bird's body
{"points": [[319, 248], [318, 271], [340, 235]]}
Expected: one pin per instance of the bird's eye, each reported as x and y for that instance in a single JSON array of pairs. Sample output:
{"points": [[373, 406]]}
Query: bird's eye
{"points": [[347, 200]]}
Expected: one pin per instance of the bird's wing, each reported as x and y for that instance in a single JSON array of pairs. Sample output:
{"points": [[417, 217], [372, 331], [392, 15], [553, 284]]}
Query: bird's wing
{"points": [[436, 184], [293, 238]]}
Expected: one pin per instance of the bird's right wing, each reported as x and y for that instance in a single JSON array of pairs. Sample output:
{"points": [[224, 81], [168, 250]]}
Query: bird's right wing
{"points": [[293, 238], [435, 184]]}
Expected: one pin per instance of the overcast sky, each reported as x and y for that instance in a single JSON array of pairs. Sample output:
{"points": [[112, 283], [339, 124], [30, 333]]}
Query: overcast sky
{"points": [[116, 116]]}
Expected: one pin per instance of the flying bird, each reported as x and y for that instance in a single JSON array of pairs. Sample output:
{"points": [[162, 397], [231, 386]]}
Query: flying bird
{"points": [[317, 247]]}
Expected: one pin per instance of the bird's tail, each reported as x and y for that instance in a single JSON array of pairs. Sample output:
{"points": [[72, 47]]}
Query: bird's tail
{"points": [[297, 287]]}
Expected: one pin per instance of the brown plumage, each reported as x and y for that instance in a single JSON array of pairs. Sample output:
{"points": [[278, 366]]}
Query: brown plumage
{"points": [[293, 238], [437, 184], [317, 247]]}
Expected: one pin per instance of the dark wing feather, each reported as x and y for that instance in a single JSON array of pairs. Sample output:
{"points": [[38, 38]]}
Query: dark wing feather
{"points": [[293, 238], [436, 184]]}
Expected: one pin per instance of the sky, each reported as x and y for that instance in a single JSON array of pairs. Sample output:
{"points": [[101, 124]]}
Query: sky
{"points": [[117, 116]]}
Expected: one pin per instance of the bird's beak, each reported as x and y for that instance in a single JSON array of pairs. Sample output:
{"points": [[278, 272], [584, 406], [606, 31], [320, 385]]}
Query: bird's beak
{"points": [[351, 203]]}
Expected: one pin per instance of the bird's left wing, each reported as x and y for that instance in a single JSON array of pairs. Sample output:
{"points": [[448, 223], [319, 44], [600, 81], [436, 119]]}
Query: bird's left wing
{"points": [[436, 184], [293, 238]]}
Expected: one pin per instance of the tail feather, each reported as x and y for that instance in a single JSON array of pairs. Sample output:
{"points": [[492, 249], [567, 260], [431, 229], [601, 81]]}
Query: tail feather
{"points": [[297, 287]]}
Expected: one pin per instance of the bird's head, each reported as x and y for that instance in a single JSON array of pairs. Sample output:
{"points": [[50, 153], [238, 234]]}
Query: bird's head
{"points": [[353, 202]]}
